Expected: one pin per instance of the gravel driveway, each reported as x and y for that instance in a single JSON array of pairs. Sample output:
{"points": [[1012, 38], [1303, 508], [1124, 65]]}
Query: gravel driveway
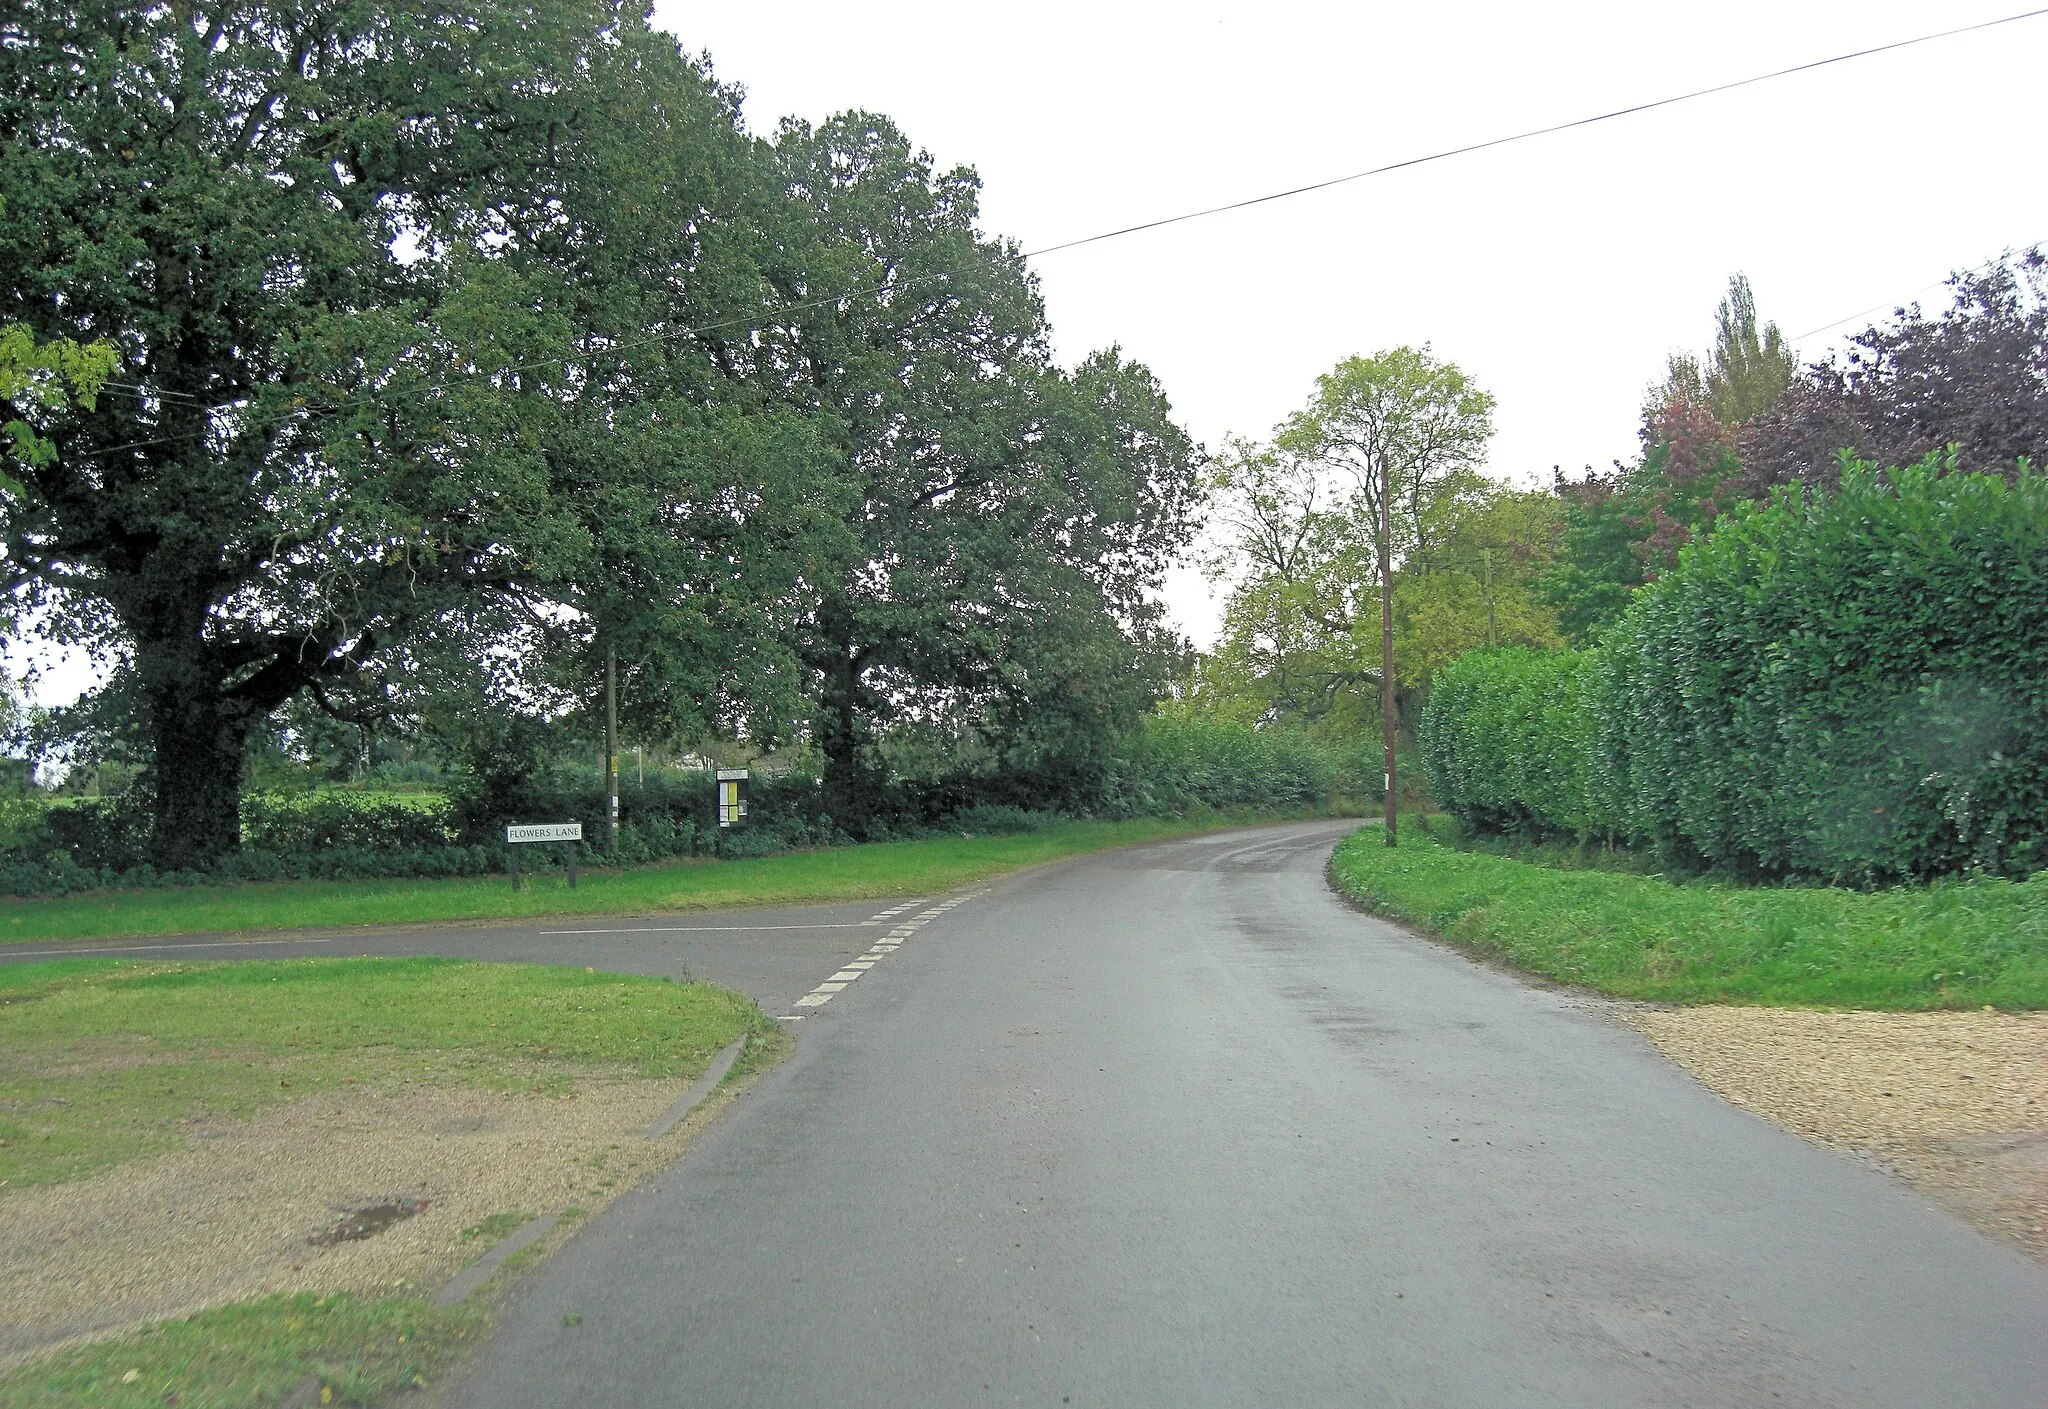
{"points": [[1957, 1103]]}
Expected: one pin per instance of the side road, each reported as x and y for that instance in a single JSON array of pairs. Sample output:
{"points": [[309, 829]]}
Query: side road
{"points": [[772, 956]]}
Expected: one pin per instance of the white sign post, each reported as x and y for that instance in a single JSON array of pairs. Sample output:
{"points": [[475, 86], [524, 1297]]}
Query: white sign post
{"points": [[570, 832]]}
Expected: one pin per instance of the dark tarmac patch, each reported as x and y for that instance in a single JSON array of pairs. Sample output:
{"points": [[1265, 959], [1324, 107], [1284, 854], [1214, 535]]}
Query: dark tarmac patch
{"points": [[367, 1221]]}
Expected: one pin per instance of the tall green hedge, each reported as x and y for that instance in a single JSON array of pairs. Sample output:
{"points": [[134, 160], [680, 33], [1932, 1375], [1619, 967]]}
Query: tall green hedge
{"points": [[1507, 742], [1852, 686]]}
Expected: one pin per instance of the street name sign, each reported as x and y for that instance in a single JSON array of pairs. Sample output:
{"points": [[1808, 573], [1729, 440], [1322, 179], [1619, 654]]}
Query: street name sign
{"points": [[546, 831]]}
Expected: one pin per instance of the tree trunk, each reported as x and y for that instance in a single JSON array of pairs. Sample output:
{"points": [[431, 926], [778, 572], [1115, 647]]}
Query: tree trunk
{"points": [[201, 737], [850, 785]]}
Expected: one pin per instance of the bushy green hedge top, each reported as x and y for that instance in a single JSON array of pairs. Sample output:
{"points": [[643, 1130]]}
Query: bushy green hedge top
{"points": [[1852, 685]]}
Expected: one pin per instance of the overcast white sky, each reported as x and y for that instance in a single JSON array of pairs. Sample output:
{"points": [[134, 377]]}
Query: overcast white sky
{"points": [[1560, 271]]}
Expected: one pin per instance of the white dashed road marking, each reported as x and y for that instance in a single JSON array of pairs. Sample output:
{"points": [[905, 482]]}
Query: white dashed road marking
{"points": [[708, 929], [879, 950]]}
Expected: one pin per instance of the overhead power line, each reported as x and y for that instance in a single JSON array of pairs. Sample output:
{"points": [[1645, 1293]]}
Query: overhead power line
{"points": [[1535, 132], [749, 325], [1894, 305]]}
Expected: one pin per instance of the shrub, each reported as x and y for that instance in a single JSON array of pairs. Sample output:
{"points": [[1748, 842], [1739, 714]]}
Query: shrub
{"points": [[1851, 686], [1172, 764], [1509, 744]]}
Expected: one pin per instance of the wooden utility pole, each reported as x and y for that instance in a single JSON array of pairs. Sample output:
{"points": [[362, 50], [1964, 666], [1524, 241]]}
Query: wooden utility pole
{"points": [[1387, 630], [1492, 634], [611, 752]]}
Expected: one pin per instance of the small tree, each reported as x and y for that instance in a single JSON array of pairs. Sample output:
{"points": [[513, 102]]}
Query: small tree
{"points": [[1410, 431]]}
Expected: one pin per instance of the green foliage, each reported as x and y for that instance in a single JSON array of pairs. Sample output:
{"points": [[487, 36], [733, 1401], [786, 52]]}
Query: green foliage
{"points": [[1955, 944], [41, 378], [1852, 686], [395, 298], [1747, 371], [1159, 766], [1174, 763], [1007, 517], [1299, 538], [1622, 529], [1405, 418], [1508, 743], [361, 1350], [1475, 583], [1597, 567]]}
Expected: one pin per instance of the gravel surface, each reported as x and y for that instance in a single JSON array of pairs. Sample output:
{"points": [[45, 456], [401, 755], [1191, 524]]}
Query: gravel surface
{"points": [[234, 1216], [1957, 1103]]}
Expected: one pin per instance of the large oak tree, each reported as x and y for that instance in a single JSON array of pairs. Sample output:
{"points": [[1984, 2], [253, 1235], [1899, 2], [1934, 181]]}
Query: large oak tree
{"points": [[1007, 516], [404, 300]]}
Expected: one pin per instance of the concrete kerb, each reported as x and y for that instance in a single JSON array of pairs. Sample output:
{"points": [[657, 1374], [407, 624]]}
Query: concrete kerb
{"points": [[706, 1084], [465, 1283], [477, 1273]]}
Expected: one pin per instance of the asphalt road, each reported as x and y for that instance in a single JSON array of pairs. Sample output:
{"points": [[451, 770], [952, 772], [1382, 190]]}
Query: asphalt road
{"points": [[1173, 1126]]}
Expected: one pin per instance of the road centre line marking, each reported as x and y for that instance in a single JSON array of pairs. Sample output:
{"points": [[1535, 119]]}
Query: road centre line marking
{"points": [[11, 952], [822, 994]]}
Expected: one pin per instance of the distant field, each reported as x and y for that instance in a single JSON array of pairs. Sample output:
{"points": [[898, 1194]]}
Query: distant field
{"points": [[844, 873], [1961, 944]]}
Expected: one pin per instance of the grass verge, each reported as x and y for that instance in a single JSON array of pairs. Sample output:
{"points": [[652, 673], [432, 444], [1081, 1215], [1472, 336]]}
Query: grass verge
{"points": [[102, 1061], [255, 1352], [876, 871], [1955, 944]]}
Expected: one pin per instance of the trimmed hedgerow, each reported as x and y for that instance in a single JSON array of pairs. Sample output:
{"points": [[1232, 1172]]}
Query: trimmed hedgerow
{"points": [[1507, 742], [1851, 686], [1164, 767]]}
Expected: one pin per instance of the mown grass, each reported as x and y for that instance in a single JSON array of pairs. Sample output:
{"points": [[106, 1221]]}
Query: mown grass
{"points": [[103, 1061], [877, 871], [1957, 944], [256, 1352]]}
